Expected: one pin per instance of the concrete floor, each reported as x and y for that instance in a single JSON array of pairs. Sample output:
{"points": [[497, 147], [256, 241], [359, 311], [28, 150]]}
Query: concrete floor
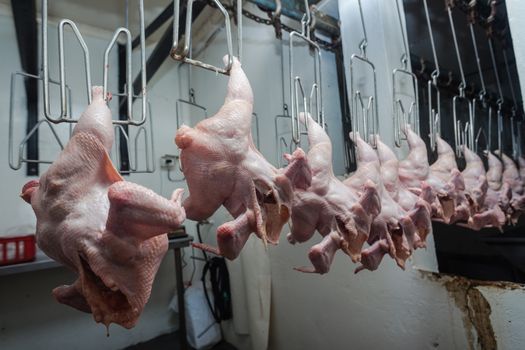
{"points": [[171, 341]]}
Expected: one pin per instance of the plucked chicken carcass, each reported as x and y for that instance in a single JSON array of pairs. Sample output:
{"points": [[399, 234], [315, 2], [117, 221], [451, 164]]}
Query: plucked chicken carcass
{"points": [[110, 231], [393, 231], [223, 167], [418, 206], [511, 176], [338, 213], [496, 199], [476, 184], [415, 168]]}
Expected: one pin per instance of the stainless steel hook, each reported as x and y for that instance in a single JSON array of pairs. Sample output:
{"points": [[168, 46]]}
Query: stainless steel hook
{"points": [[400, 117], [182, 55], [145, 132], [63, 116], [461, 137], [370, 109], [15, 163], [296, 87]]}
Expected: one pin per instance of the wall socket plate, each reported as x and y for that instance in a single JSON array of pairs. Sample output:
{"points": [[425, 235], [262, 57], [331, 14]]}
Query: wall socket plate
{"points": [[168, 161]]}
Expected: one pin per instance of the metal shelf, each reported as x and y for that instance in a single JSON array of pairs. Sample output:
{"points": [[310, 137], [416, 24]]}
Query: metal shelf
{"points": [[43, 262]]}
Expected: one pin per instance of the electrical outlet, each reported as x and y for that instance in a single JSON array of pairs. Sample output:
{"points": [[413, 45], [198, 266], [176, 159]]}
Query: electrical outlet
{"points": [[168, 161]]}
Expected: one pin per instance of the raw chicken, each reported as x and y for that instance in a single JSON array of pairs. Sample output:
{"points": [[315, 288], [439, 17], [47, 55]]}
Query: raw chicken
{"points": [[223, 167], [110, 231], [448, 184], [511, 176], [491, 214], [340, 215], [415, 168], [393, 231], [476, 184]]}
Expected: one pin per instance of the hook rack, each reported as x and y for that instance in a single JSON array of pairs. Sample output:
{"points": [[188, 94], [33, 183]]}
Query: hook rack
{"points": [[462, 136], [16, 164], [64, 116], [146, 133], [182, 54], [356, 100], [481, 132], [296, 86], [400, 116]]}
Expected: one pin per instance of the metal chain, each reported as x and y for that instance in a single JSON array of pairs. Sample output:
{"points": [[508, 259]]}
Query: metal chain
{"points": [[328, 46]]}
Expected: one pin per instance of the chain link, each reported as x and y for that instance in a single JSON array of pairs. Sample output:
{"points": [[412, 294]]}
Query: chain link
{"points": [[328, 46]]}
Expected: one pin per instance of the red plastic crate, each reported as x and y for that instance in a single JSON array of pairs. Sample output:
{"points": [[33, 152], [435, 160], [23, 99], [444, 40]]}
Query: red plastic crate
{"points": [[14, 250]]}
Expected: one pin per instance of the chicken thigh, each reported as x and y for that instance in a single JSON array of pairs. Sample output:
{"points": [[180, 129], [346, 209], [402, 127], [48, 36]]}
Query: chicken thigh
{"points": [[223, 167], [110, 231]]}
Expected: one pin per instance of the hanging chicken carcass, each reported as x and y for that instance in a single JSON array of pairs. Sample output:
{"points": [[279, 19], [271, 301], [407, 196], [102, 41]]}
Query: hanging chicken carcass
{"points": [[341, 215], [511, 176], [110, 231], [496, 200], [222, 166], [393, 232]]}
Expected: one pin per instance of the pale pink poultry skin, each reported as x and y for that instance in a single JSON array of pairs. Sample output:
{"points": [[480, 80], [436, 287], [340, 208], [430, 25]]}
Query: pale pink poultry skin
{"points": [[448, 184], [339, 214], [415, 168], [223, 167], [474, 175], [110, 231], [491, 214], [511, 176], [418, 207], [392, 231]]}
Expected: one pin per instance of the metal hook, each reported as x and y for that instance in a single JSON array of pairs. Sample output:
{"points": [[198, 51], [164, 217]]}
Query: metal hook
{"points": [[182, 56], [436, 72], [128, 90], [306, 20], [280, 139], [461, 137], [509, 77], [413, 113], [364, 42], [296, 87], [404, 56], [16, 165], [372, 103], [63, 116], [434, 114], [483, 91], [463, 83], [495, 68], [276, 19], [480, 133]]}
